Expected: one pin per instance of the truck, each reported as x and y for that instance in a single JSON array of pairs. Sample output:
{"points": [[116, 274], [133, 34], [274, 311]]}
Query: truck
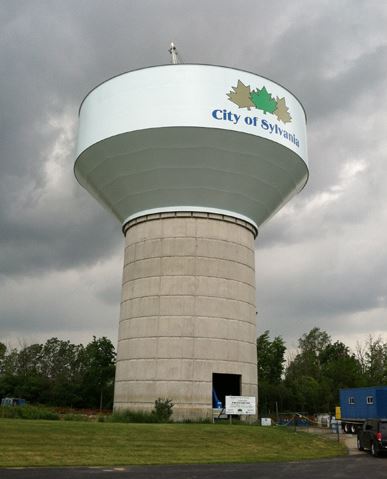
{"points": [[358, 405]]}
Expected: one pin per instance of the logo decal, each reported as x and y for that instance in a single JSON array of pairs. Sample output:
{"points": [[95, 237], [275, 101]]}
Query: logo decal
{"points": [[242, 96]]}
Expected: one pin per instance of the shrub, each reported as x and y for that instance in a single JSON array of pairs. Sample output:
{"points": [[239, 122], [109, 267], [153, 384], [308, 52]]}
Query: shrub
{"points": [[163, 409]]}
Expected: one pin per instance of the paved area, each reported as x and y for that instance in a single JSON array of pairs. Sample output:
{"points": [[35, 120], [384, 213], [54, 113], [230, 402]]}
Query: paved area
{"points": [[360, 466]]}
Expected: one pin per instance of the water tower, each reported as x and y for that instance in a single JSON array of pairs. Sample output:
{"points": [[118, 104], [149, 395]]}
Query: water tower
{"points": [[191, 159]]}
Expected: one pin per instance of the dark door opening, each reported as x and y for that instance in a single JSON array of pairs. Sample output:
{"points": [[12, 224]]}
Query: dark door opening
{"points": [[224, 385]]}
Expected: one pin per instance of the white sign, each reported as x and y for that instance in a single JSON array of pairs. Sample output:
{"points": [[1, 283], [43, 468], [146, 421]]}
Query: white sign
{"points": [[241, 405], [265, 421]]}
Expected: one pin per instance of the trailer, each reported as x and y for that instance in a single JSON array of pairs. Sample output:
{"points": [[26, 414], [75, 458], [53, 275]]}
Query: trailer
{"points": [[359, 404]]}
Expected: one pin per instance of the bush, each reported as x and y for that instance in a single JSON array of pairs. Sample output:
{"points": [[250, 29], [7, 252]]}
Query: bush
{"points": [[163, 409], [28, 412]]}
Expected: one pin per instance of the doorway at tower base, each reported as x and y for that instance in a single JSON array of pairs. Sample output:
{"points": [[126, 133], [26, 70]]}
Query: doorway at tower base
{"points": [[225, 385]]}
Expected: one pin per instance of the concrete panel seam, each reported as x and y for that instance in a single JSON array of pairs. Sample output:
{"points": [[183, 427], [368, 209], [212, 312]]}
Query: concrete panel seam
{"points": [[179, 316], [223, 298], [193, 318], [225, 260], [209, 338], [189, 405], [169, 381], [124, 283], [206, 360], [183, 238]]}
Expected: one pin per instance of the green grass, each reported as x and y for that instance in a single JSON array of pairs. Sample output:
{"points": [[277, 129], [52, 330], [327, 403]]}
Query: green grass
{"points": [[63, 443]]}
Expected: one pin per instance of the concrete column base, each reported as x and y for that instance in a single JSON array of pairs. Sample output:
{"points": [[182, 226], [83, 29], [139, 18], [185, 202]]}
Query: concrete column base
{"points": [[188, 311]]}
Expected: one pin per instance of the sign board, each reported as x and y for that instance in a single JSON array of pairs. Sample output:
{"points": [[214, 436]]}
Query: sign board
{"points": [[241, 405]]}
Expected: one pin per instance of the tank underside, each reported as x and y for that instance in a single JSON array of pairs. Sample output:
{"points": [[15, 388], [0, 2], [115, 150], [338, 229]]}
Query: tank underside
{"points": [[182, 166]]}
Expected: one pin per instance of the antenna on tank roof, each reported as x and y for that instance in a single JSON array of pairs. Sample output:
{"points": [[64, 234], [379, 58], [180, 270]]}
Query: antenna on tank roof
{"points": [[175, 57]]}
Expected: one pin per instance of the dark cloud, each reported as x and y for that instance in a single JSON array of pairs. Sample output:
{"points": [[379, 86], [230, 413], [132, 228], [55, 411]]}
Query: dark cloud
{"points": [[321, 261]]}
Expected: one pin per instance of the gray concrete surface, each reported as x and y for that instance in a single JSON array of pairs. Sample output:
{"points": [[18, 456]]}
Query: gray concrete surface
{"points": [[350, 441], [188, 311]]}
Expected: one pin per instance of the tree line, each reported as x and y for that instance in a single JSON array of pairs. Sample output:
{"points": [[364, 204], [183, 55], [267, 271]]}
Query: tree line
{"points": [[59, 373], [310, 379]]}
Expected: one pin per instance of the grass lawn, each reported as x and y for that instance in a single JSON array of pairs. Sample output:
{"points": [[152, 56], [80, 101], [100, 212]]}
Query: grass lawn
{"points": [[64, 443]]}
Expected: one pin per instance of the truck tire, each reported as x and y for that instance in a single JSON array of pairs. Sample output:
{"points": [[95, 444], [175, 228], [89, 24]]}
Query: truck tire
{"points": [[346, 428], [374, 450], [353, 429]]}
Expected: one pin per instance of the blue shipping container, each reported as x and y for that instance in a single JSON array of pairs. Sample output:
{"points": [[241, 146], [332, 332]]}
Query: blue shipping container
{"points": [[364, 403]]}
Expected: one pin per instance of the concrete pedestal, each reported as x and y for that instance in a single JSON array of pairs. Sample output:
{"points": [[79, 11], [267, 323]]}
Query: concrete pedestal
{"points": [[188, 311]]}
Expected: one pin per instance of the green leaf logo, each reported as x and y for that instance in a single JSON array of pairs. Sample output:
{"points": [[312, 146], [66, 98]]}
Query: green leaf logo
{"points": [[263, 100], [242, 96]]}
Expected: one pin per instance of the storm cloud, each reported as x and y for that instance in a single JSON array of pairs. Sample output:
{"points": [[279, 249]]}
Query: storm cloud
{"points": [[321, 261]]}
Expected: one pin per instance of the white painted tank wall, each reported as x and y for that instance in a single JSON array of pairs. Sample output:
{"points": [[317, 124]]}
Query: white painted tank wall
{"points": [[188, 311]]}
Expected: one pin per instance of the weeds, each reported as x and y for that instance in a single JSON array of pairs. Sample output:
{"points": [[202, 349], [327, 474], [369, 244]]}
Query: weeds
{"points": [[28, 412]]}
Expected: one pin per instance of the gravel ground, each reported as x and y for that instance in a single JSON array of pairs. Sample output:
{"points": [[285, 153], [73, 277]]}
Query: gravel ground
{"points": [[348, 439]]}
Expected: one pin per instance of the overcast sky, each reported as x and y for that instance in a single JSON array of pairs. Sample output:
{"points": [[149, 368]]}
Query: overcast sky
{"points": [[321, 261]]}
